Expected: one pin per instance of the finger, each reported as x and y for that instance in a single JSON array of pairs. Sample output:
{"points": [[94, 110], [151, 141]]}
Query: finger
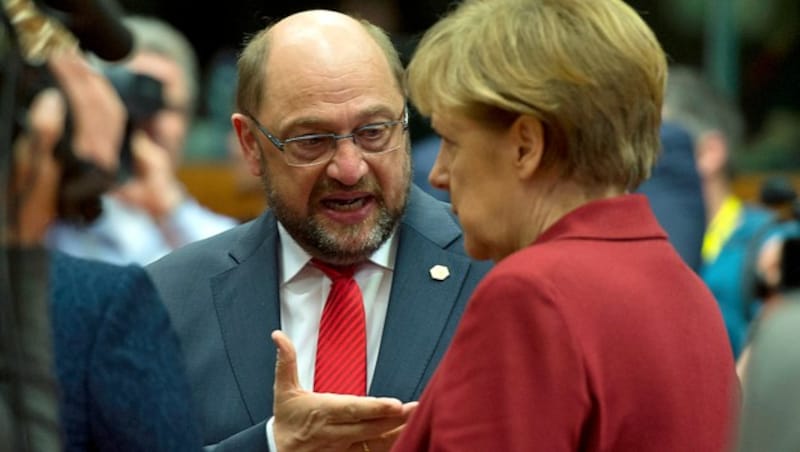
{"points": [[382, 431], [343, 408], [285, 365], [47, 118], [409, 408], [146, 150], [385, 441], [151, 159], [46, 124], [36, 173], [386, 438]]}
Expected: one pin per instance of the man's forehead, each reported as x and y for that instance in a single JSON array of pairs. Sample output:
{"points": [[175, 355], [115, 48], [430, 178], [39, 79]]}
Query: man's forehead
{"points": [[309, 23], [330, 79]]}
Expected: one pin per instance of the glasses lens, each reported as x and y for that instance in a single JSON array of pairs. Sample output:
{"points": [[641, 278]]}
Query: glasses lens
{"points": [[377, 137], [319, 148], [309, 150]]}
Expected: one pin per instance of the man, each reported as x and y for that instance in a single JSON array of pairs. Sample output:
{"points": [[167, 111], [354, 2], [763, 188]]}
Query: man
{"points": [[322, 121], [151, 213], [121, 377]]}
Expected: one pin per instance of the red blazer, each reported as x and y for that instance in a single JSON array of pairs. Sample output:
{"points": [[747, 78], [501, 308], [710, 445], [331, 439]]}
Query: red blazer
{"points": [[597, 337]]}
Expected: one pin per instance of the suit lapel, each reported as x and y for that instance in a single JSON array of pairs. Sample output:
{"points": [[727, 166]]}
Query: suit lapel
{"points": [[420, 306], [246, 298], [419, 309]]}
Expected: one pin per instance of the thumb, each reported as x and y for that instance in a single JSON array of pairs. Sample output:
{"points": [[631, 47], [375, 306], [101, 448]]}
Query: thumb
{"points": [[148, 155], [286, 379]]}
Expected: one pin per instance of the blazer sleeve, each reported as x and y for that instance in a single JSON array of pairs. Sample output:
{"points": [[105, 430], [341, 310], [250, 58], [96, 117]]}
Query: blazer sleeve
{"points": [[253, 439]]}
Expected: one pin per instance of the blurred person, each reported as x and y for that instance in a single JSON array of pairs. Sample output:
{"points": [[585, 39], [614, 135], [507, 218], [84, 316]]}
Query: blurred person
{"points": [[674, 186], [209, 134], [735, 228], [676, 195], [322, 122], [770, 396], [423, 155], [121, 378], [777, 278], [770, 366], [590, 333], [151, 213]]}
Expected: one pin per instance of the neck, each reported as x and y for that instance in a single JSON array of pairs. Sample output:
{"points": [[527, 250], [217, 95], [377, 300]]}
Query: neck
{"points": [[552, 202]]}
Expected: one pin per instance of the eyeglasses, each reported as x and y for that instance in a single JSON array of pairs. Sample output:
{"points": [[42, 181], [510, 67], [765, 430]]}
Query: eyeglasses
{"points": [[318, 148]]}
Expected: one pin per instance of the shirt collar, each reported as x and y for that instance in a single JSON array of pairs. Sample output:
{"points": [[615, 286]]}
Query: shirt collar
{"points": [[293, 258]]}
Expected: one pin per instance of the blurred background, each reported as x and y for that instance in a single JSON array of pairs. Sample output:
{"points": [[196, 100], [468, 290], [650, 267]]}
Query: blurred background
{"points": [[750, 49]]}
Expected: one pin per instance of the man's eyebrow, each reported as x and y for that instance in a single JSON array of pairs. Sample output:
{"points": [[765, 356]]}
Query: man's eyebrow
{"points": [[313, 121]]}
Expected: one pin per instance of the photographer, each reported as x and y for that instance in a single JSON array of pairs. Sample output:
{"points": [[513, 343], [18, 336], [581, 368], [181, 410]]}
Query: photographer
{"points": [[151, 213], [120, 377]]}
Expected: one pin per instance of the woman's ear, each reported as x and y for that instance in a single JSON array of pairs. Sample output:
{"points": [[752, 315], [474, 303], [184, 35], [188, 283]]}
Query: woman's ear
{"points": [[528, 133], [248, 142]]}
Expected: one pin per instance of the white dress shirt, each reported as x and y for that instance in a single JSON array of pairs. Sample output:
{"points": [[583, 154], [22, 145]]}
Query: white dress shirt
{"points": [[303, 291], [126, 234]]}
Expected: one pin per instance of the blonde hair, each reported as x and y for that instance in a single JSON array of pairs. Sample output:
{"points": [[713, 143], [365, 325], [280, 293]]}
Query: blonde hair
{"points": [[591, 70], [251, 90]]}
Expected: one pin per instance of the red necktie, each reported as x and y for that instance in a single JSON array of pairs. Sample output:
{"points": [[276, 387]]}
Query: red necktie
{"points": [[341, 364]]}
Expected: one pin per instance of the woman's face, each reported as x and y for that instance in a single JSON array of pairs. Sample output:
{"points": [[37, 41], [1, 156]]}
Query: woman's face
{"points": [[475, 165]]}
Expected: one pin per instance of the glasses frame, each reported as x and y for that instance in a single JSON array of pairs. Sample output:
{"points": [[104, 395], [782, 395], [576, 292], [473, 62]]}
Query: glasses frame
{"points": [[280, 144]]}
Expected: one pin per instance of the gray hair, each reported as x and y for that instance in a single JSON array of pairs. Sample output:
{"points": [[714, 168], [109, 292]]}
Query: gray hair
{"points": [[693, 102], [154, 35]]}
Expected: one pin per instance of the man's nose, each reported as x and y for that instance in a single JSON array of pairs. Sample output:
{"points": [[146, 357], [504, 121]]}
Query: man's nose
{"points": [[348, 165]]}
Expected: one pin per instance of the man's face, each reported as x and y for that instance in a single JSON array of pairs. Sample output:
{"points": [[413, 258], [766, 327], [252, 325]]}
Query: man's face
{"points": [[343, 210]]}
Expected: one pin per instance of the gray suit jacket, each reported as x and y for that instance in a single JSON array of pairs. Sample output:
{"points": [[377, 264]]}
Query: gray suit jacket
{"points": [[223, 296]]}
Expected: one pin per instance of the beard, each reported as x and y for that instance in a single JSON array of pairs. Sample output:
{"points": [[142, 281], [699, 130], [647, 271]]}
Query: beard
{"points": [[336, 243]]}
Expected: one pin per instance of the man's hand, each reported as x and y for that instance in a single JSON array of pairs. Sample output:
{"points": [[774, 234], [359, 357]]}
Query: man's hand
{"points": [[97, 111], [308, 421], [36, 173], [154, 187]]}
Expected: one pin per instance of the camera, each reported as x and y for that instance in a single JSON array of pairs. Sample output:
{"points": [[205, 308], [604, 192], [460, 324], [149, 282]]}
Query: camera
{"points": [[143, 97]]}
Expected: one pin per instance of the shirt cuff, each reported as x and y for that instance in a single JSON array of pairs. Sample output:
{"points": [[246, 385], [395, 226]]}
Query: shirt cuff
{"points": [[271, 435]]}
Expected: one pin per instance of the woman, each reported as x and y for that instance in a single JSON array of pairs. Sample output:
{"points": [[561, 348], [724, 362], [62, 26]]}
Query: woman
{"points": [[590, 333]]}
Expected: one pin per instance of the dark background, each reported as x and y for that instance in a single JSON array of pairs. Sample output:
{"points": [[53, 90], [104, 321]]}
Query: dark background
{"points": [[749, 48]]}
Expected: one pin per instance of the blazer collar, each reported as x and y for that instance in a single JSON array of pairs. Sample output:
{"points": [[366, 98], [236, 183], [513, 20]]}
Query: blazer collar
{"points": [[622, 217]]}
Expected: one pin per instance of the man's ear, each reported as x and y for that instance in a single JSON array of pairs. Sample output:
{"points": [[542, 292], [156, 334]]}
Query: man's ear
{"points": [[711, 150], [528, 134], [248, 143]]}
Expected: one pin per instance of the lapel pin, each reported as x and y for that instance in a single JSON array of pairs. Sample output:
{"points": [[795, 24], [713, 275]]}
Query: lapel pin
{"points": [[439, 272]]}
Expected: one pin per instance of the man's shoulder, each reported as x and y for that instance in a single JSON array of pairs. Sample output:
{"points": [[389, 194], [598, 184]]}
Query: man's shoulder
{"points": [[208, 250]]}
